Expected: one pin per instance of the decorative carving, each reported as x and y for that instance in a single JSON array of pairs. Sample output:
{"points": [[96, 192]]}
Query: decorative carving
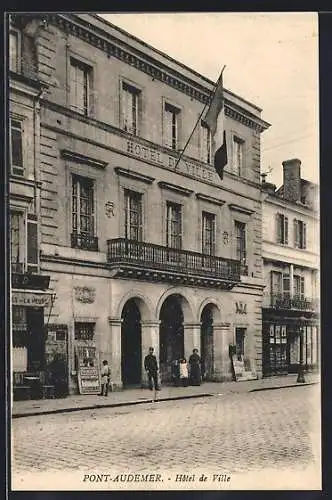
{"points": [[109, 209], [85, 294], [241, 307], [225, 237]]}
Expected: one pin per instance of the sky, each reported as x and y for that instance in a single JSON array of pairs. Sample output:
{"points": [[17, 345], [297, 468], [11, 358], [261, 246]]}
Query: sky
{"points": [[271, 60]]}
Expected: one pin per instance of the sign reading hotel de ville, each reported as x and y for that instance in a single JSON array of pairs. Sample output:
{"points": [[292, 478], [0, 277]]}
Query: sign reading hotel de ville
{"points": [[165, 160]]}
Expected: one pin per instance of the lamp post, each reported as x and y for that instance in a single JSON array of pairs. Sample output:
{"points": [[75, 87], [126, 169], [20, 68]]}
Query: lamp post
{"points": [[300, 375]]}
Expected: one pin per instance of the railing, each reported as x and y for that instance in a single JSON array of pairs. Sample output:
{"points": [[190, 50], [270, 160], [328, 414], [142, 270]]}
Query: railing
{"points": [[284, 301], [149, 255], [84, 241]]}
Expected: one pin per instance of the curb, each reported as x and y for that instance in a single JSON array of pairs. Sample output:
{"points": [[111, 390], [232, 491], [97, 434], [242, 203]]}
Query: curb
{"points": [[110, 405], [282, 387]]}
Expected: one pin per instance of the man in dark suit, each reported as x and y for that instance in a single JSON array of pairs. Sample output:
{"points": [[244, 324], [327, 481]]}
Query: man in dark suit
{"points": [[151, 366]]}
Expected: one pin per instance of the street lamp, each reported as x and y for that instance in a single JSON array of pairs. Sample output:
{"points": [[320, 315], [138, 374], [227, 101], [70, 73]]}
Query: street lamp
{"points": [[300, 375]]}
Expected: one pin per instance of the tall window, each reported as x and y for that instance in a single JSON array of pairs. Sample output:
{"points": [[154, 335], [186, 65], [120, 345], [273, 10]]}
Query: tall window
{"points": [[239, 342], [298, 284], [174, 225], [133, 216], [83, 216], [205, 143], [238, 155], [282, 229], [16, 147], [80, 86], [300, 234], [208, 233], [14, 51], [130, 108], [171, 126], [16, 233], [240, 234], [280, 288]]}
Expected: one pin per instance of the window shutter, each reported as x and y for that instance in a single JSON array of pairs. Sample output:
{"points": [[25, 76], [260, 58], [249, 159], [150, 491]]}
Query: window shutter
{"points": [[304, 235], [286, 230], [278, 228], [296, 234], [302, 286], [140, 218], [32, 245]]}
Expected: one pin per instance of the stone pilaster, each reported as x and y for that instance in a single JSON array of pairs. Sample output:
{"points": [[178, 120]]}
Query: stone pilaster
{"points": [[222, 364], [150, 338], [115, 354]]}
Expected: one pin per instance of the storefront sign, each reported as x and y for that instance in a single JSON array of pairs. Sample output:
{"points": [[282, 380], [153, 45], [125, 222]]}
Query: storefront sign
{"points": [[31, 299], [241, 308], [160, 158], [88, 369]]}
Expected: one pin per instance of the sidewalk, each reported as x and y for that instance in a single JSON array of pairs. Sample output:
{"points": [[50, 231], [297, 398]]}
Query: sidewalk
{"points": [[140, 396]]}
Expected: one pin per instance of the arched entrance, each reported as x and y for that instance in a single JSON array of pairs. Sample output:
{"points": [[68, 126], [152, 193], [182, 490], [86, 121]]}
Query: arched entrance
{"points": [[131, 344], [171, 334], [207, 341]]}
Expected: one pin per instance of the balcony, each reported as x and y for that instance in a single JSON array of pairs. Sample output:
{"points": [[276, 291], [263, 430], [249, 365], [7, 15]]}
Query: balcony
{"points": [[150, 262], [297, 302], [26, 280], [84, 242]]}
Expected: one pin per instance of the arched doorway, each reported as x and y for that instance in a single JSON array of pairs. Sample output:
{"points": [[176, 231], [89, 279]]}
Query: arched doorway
{"points": [[207, 351], [171, 335], [131, 344]]}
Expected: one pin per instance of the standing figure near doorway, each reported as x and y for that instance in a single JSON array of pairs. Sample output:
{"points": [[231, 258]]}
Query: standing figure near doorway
{"points": [[195, 368], [184, 375], [151, 366], [105, 378]]}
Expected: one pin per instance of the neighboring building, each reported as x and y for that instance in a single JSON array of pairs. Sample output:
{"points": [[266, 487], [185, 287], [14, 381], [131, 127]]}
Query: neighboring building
{"points": [[141, 251], [291, 270], [29, 286]]}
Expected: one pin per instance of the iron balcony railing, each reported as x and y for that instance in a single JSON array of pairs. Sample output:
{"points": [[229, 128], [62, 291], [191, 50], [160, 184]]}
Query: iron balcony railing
{"points": [[285, 301], [84, 241], [148, 255]]}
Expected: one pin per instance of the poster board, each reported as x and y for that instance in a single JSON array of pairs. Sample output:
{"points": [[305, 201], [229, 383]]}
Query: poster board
{"points": [[242, 368], [88, 369]]}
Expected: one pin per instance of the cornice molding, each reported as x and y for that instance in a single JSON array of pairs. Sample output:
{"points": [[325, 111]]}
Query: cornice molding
{"points": [[134, 175], [79, 158], [210, 199], [239, 208], [173, 187], [98, 38]]}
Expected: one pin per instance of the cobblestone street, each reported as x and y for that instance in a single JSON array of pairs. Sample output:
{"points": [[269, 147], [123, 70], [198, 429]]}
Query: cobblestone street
{"points": [[224, 434]]}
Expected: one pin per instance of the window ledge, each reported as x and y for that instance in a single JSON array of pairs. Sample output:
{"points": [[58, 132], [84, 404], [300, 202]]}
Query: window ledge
{"points": [[238, 208], [175, 188], [210, 199], [79, 158], [134, 175]]}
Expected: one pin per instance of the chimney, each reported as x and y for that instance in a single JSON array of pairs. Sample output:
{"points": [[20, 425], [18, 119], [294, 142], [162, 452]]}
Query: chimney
{"points": [[292, 179]]}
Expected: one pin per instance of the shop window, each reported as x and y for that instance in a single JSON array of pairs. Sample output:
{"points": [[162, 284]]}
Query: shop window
{"points": [[83, 214], [171, 126], [282, 229], [130, 108], [84, 331], [133, 216], [80, 86]]}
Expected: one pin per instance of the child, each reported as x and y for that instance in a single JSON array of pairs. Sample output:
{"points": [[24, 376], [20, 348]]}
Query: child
{"points": [[184, 376]]}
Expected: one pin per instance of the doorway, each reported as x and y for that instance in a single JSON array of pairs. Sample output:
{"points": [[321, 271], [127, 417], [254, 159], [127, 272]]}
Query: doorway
{"points": [[131, 344], [207, 355], [171, 335]]}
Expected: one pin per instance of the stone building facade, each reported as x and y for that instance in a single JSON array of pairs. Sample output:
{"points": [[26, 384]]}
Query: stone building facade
{"points": [[142, 250], [291, 272]]}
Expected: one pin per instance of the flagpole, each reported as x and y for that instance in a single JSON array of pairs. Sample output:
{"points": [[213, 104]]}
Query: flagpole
{"points": [[199, 118]]}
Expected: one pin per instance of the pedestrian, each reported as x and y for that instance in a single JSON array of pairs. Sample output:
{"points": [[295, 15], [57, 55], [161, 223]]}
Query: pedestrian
{"points": [[184, 376], [151, 366], [195, 368], [105, 378], [176, 372]]}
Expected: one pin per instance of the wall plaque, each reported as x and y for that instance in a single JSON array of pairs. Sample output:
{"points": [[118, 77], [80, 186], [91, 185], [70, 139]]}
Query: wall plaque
{"points": [[85, 294]]}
